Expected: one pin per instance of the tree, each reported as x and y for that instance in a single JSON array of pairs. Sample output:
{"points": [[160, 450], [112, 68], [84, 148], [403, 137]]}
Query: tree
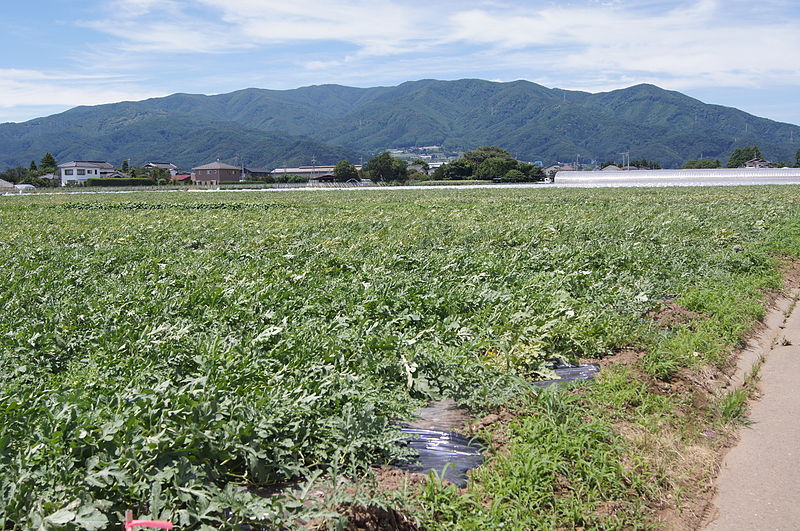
{"points": [[125, 166], [344, 171], [514, 176], [532, 172], [386, 168], [495, 167], [48, 161], [644, 163], [699, 164], [14, 175], [742, 155], [457, 170], [478, 155], [797, 158], [33, 166]]}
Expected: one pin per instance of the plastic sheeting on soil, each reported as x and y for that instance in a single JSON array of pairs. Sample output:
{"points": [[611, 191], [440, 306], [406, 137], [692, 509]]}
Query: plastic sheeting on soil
{"points": [[447, 453], [570, 373], [451, 454]]}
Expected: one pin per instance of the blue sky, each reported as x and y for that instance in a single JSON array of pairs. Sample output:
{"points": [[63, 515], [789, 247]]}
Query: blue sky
{"points": [[61, 53]]}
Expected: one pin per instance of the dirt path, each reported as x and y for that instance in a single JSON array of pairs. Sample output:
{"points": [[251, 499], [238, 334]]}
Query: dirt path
{"points": [[759, 483]]}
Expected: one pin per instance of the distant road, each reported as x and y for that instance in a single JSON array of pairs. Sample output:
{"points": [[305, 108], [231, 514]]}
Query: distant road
{"points": [[572, 183]]}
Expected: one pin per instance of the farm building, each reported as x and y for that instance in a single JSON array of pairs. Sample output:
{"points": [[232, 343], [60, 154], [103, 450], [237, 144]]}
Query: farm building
{"points": [[312, 173], [720, 176]]}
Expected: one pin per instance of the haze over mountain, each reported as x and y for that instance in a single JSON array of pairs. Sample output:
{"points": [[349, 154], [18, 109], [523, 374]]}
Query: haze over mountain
{"points": [[332, 122]]}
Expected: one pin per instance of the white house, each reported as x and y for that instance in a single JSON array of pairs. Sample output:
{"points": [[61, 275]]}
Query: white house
{"points": [[79, 171]]}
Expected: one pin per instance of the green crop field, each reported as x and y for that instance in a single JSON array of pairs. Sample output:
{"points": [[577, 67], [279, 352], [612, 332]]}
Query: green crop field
{"points": [[182, 354]]}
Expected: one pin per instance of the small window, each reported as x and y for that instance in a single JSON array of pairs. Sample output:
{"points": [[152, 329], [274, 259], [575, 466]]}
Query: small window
{"points": [[81, 172], [67, 172]]}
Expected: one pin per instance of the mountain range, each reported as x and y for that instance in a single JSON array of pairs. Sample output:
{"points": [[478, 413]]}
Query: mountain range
{"points": [[328, 123]]}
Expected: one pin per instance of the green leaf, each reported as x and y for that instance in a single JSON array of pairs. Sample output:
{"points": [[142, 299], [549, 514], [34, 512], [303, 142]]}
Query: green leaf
{"points": [[60, 517]]}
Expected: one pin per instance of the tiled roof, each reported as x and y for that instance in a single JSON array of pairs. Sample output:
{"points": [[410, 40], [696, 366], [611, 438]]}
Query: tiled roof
{"points": [[216, 166], [87, 164]]}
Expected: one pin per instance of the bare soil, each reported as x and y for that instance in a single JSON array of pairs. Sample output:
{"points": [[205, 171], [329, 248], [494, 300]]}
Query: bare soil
{"points": [[672, 315], [376, 518]]}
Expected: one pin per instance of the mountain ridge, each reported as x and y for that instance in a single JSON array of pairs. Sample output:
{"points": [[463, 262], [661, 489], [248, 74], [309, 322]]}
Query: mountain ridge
{"points": [[268, 127]]}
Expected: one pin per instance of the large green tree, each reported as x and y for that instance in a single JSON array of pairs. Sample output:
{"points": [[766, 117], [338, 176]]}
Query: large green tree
{"points": [[742, 155], [457, 170], [344, 171], [495, 167], [480, 154], [384, 167], [797, 158]]}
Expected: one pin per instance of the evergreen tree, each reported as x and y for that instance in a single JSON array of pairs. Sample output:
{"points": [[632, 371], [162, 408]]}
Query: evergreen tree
{"points": [[48, 161], [33, 166]]}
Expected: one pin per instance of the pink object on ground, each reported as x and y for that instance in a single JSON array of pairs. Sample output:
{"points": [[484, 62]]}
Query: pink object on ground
{"points": [[130, 523]]}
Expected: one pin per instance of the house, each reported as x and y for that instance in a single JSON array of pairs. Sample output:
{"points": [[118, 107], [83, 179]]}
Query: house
{"points": [[116, 175], [421, 168], [217, 173], [255, 173], [612, 167], [758, 163], [5, 185], [181, 178], [170, 167], [77, 172]]}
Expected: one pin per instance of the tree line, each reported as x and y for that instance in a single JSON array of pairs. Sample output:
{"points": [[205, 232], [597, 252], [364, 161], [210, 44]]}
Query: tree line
{"points": [[738, 159], [483, 163], [33, 173]]}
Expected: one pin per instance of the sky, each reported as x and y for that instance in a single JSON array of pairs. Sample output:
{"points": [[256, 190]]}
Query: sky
{"points": [[57, 54]]}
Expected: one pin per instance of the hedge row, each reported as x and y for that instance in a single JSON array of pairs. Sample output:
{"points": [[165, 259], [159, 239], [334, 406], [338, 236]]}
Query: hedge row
{"points": [[110, 181]]}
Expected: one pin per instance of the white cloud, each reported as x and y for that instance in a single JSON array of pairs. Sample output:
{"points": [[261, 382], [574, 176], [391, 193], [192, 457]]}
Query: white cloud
{"points": [[690, 42], [32, 88], [582, 44]]}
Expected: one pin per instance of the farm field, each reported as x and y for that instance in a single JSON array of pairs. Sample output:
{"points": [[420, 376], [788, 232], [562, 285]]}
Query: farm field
{"points": [[184, 354]]}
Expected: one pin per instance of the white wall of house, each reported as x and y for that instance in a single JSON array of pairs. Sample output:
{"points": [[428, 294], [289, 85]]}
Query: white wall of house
{"points": [[77, 173]]}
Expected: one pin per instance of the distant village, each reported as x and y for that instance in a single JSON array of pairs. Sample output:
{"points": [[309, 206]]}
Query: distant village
{"points": [[486, 163]]}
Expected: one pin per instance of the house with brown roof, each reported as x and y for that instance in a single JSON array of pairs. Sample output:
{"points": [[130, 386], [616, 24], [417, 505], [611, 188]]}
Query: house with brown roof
{"points": [[217, 173]]}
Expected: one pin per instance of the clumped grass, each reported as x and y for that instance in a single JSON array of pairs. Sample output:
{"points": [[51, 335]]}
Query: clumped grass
{"points": [[732, 407], [177, 355]]}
